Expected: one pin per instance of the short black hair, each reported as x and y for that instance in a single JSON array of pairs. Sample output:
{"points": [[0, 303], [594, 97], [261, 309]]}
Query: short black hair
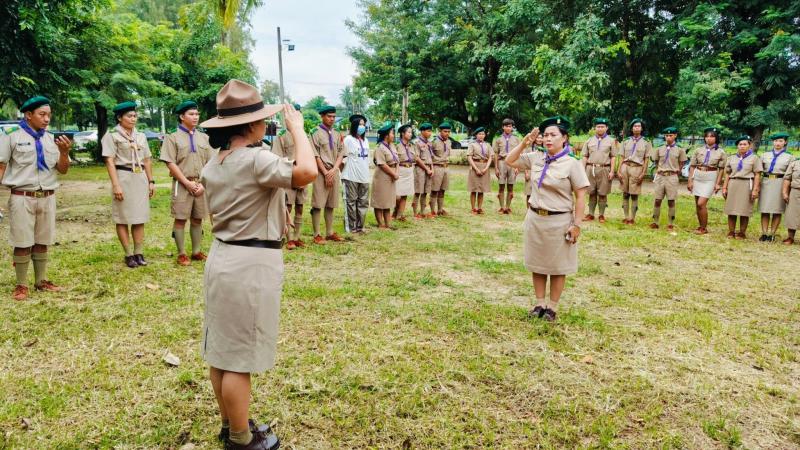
{"points": [[508, 121]]}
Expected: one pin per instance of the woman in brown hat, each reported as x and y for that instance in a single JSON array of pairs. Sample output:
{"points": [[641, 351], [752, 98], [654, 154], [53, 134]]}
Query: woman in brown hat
{"points": [[479, 182], [384, 177], [553, 223], [244, 274], [742, 183]]}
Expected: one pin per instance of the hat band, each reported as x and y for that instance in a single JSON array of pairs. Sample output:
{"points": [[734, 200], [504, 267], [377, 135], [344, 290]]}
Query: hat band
{"points": [[227, 112]]}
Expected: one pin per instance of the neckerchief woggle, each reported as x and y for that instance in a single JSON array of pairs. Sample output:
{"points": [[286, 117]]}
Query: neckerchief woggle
{"points": [[41, 164], [549, 159]]}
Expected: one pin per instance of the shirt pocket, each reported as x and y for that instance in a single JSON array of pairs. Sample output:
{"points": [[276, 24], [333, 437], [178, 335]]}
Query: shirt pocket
{"points": [[24, 155], [51, 157]]}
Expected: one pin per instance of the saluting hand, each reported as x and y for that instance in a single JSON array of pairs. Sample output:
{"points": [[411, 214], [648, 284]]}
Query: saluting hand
{"points": [[530, 138], [293, 118], [64, 144]]}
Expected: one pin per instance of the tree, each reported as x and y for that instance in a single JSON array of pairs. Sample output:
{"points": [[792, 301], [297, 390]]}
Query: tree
{"points": [[229, 12]]}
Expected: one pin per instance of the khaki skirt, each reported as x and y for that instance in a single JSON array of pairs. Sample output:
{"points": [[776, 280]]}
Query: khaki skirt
{"points": [[477, 183], [243, 288], [738, 202], [134, 209], [792, 219], [405, 185], [770, 199], [546, 250], [704, 183], [384, 195]]}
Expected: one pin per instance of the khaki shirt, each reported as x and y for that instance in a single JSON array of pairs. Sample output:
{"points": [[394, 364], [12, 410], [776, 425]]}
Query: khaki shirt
{"points": [[177, 149], [502, 145], [677, 157], [245, 194], [126, 150], [320, 141], [405, 153], [636, 152], [716, 159], [474, 152], [386, 156], [750, 166], [600, 151], [424, 150], [563, 176], [793, 174], [283, 146], [441, 150], [781, 164], [18, 152]]}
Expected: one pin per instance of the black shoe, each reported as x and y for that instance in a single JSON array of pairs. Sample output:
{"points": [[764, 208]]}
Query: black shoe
{"points": [[549, 315], [261, 441], [536, 312], [131, 262], [140, 259], [771, 238], [763, 238], [225, 433]]}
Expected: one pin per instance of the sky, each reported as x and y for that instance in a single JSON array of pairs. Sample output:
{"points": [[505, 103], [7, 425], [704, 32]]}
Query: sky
{"points": [[319, 65]]}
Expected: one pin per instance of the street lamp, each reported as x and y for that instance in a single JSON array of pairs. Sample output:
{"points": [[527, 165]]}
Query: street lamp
{"points": [[289, 47]]}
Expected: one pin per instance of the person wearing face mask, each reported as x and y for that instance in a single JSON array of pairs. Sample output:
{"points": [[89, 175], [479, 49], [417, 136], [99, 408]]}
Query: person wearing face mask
{"points": [[635, 153], [599, 161], [742, 185], [669, 159], [186, 152], [129, 167], [423, 172], [405, 184], [770, 200], [705, 175], [355, 175], [29, 160], [479, 182]]}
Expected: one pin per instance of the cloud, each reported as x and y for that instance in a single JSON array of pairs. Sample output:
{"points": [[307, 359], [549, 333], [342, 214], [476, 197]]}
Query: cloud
{"points": [[320, 64]]}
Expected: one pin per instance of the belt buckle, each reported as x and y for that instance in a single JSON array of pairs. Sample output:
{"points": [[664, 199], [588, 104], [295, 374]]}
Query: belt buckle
{"points": [[137, 169], [773, 177], [38, 194], [542, 212]]}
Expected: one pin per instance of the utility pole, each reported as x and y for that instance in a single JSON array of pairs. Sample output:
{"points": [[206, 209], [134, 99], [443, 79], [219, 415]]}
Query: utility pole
{"points": [[280, 64], [404, 114]]}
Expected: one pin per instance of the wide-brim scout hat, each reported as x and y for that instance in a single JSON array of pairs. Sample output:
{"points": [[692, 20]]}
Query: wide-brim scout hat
{"points": [[185, 106], [425, 126], [601, 121], [559, 121], [239, 103], [669, 130], [445, 126], [780, 135], [124, 107], [743, 138], [322, 110], [478, 130], [33, 103], [635, 121], [357, 117]]}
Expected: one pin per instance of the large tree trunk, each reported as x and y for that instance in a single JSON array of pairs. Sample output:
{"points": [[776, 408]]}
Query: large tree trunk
{"points": [[758, 133], [102, 127]]}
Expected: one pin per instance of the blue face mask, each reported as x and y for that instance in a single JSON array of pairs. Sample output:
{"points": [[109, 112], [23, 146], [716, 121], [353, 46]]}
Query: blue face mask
{"points": [[362, 129]]}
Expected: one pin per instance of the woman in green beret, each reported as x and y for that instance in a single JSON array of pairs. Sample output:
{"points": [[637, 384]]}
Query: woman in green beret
{"points": [[479, 182], [384, 177], [405, 170], [742, 184], [127, 158], [770, 202], [705, 175]]}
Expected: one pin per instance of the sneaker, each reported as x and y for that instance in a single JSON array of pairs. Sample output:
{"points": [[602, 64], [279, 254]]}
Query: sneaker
{"points": [[47, 286], [334, 237], [536, 312], [140, 259], [290, 245], [199, 256], [261, 441], [319, 240], [300, 243], [771, 238], [225, 433], [183, 260], [131, 262], [20, 293], [653, 226], [549, 315]]}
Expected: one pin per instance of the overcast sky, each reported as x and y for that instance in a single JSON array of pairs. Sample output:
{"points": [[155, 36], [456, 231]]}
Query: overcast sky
{"points": [[319, 65]]}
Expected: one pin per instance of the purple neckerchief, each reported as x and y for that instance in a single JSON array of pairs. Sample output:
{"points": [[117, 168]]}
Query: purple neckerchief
{"points": [[708, 153], [483, 152], [37, 136], [191, 137], [507, 137], [549, 159], [666, 155], [408, 155], [599, 140], [330, 135], [394, 157], [427, 144], [635, 143], [741, 160], [363, 153], [774, 159]]}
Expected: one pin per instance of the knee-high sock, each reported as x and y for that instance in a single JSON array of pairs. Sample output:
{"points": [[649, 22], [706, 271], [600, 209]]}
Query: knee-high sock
{"points": [[21, 264], [179, 235], [315, 217], [328, 221], [603, 205], [138, 248], [440, 200], [656, 213], [422, 198], [592, 204], [39, 266], [626, 205], [634, 206], [196, 231], [298, 225], [671, 214]]}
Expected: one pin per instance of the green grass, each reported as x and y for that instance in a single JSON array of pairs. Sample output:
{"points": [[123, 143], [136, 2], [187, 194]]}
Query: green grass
{"points": [[417, 338]]}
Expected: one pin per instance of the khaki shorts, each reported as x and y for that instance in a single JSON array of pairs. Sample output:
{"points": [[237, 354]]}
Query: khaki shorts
{"points": [[599, 183], [441, 180], [666, 185], [322, 197], [422, 182], [507, 173], [295, 196], [185, 205], [629, 174], [31, 221]]}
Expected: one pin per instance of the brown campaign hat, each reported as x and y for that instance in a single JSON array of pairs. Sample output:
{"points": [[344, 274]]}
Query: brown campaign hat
{"points": [[239, 103]]}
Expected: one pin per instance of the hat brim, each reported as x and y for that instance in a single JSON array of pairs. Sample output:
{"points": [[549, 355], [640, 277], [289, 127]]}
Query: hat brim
{"points": [[221, 122]]}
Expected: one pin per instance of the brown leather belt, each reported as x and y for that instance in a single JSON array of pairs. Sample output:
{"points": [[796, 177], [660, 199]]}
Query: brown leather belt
{"points": [[480, 159], [406, 165], [193, 178], [706, 168], [598, 165], [544, 212], [668, 172], [440, 164], [631, 163], [35, 194]]}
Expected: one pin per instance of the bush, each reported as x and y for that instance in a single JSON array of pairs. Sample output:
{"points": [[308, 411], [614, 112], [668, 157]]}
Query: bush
{"points": [[155, 149], [93, 148]]}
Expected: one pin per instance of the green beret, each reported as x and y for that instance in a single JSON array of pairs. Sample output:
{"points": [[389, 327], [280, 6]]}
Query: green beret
{"points": [[297, 106], [387, 126], [425, 126], [669, 130], [34, 102], [743, 137], [445, 126], [601, 121], [124, 107], [560, 121], [711, 130], [322, 110], [478, 130], [185, 106], [780, 135], [635, 121]]}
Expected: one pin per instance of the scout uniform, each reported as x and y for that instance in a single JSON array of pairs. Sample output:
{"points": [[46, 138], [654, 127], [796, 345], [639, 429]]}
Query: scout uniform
{"points": [[283, 147], [480, 153], [791, 182], [405, 185], [129, 152], [441, 180], [328, 147], [669, 159], [30, 158], [741, 170], [599, 153], [423, 149], [384, 195], [707, 163], [528, 187], [502, 146], [635, 153], [770, 200]]}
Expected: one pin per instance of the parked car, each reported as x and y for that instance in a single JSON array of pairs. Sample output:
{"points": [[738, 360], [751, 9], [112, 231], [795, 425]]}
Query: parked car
{"points": [[152, 135], [82, 138], [8, 126]]}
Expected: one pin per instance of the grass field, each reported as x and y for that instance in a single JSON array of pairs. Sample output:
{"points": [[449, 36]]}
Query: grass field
{"points": [[417, 338]]}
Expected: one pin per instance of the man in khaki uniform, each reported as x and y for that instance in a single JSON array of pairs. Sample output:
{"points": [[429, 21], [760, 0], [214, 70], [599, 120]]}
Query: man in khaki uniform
{"points": [[669, 159], [506, 175], [441, 159], [599, 160], [283, 146], [423, 172], [635, 156], [329, 152], [28, 157], [790, 191], [186, 152]]}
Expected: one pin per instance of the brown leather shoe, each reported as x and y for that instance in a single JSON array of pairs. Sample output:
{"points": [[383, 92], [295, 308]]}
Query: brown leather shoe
{"points": [[47, 286], [731, 235], [199, 256], [183, 260], [740, 236], [443, 213], [20, 293], [508, 210], [700, 231], [653, 226], [319, 240], [334, 237], [788, 241], [290, 245], [670, 227], [601, 219], [549, 315], [418, 216], [480, 210], [588, 218]]}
